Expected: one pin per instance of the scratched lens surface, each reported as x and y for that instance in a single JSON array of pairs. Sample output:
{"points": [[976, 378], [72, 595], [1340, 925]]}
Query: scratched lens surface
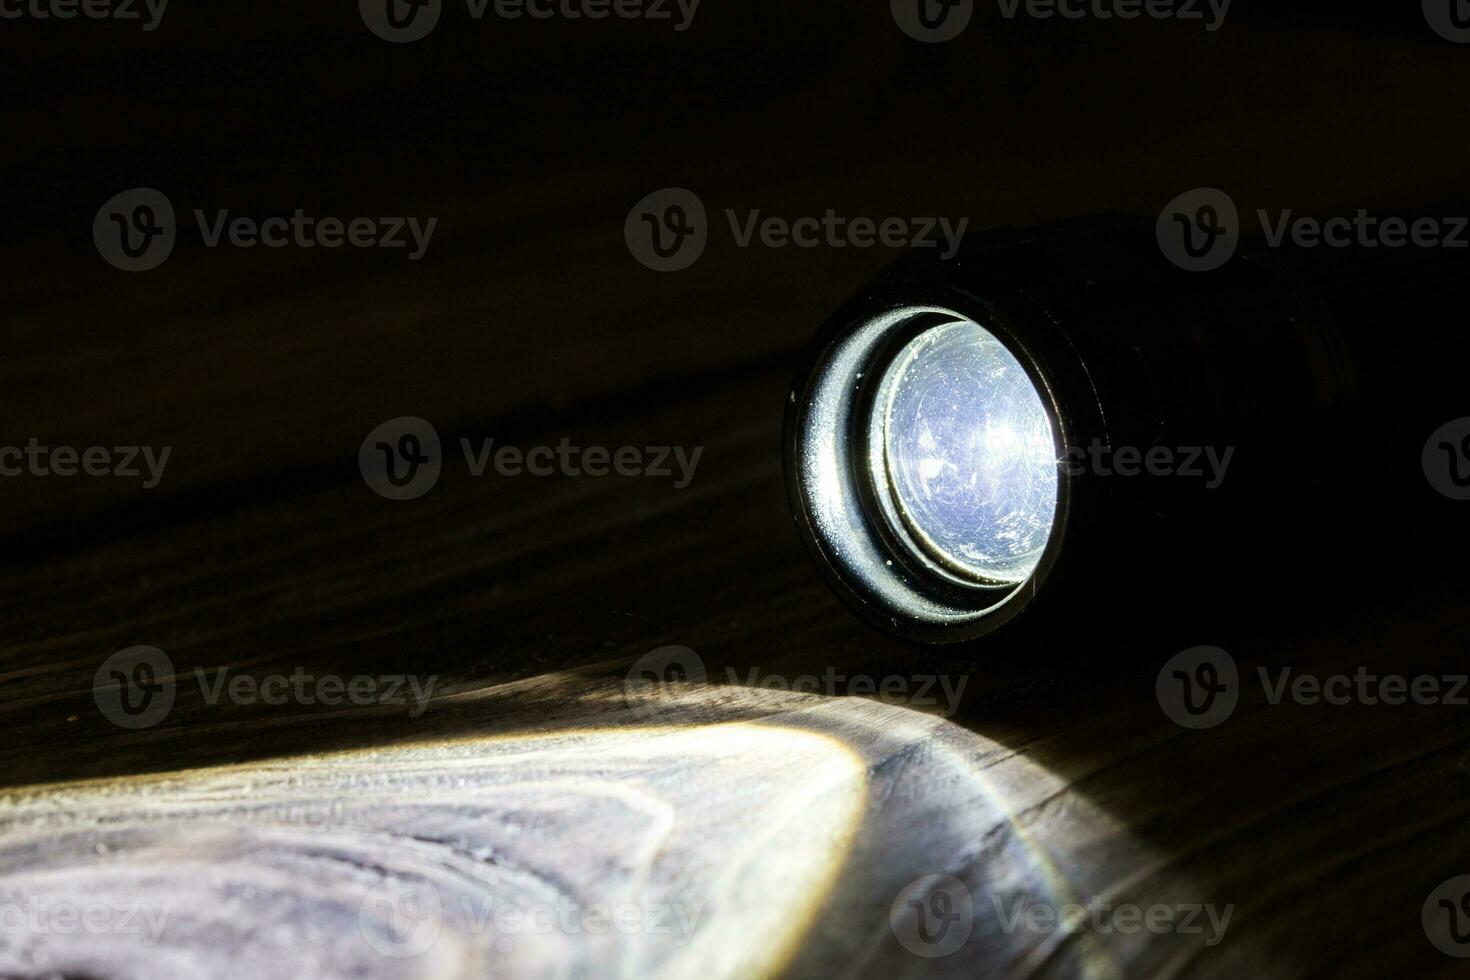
{"points": [[968, 454]]}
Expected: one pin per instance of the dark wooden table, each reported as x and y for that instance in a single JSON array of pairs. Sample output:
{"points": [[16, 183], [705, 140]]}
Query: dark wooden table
{"points": [[785, 827]]}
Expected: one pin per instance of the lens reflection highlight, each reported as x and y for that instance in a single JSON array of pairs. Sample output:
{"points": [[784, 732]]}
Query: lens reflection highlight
{"points": [[964, 457]]}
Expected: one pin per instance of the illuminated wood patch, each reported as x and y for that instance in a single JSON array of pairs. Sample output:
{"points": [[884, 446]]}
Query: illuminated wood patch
{"points": [[635, 852]]}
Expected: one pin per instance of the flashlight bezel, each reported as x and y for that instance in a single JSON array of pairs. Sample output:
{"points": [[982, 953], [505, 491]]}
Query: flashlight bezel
{"points": [[917, 304]]}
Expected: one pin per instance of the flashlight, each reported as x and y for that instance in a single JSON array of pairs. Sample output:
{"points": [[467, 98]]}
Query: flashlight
{"points": [[1061, 423]]}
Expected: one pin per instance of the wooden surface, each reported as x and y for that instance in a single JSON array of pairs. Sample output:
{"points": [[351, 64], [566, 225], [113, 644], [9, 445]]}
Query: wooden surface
{"points": [[791, 822]]}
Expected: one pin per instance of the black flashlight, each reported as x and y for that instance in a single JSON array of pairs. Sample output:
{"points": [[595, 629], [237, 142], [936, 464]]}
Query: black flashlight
{"points": [[1061, 424]]}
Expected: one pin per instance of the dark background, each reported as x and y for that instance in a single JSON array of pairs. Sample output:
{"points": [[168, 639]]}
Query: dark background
{"points": [[529, 320], [531, 140]]}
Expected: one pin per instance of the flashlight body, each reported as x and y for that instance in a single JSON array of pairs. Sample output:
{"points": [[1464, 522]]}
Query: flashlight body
{"points": [[1217, 429]]}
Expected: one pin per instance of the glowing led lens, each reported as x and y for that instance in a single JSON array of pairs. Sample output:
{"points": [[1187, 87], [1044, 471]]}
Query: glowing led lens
{"points": [[963, 455]]}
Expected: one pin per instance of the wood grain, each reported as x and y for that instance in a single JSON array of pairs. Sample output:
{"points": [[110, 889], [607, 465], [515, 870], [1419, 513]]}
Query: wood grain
{"points": [[789, 827]]}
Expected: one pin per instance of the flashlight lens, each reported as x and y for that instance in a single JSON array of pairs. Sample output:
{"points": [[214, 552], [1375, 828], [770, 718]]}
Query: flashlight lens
{"points": [[964, 455]]}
